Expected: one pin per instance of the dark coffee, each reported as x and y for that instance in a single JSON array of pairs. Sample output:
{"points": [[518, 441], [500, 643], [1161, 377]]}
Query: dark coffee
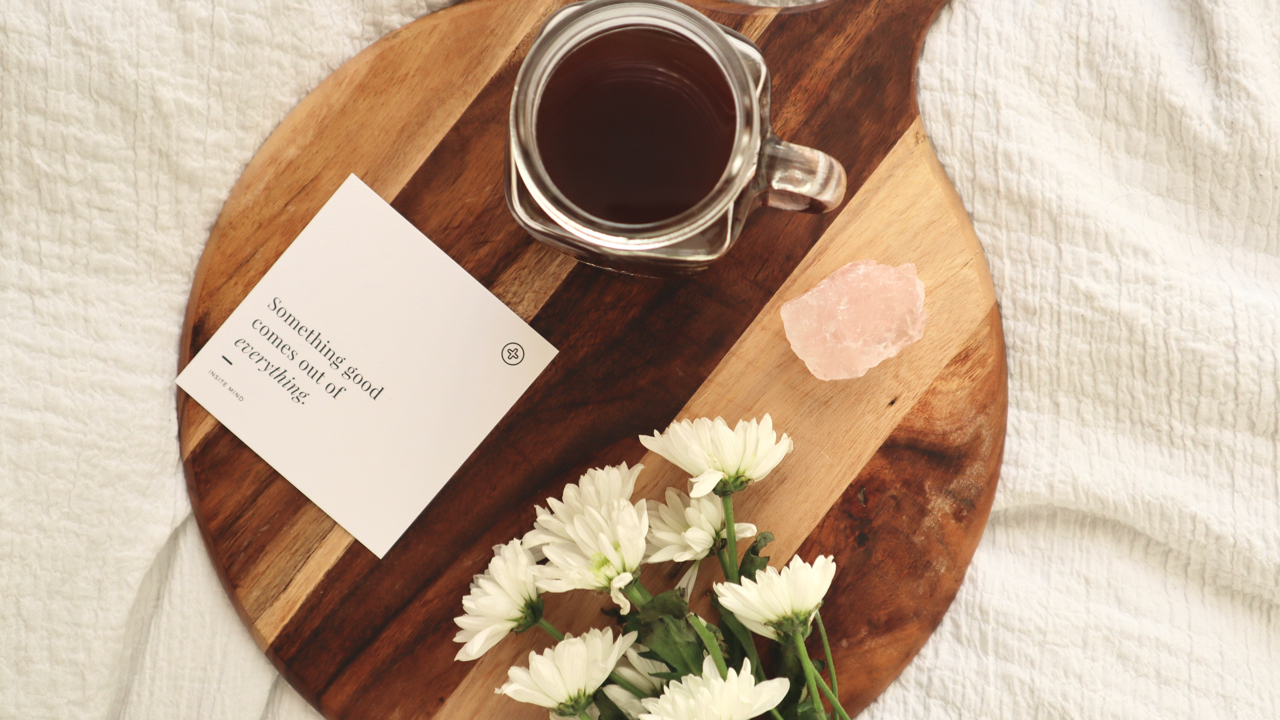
{"points": [[636, 125]]}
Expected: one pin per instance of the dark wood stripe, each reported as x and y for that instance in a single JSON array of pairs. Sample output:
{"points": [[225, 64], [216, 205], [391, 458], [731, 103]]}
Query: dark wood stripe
{"points": [[925, 495], [246, 538], [456, 196], [223, 500], [850, 73]]}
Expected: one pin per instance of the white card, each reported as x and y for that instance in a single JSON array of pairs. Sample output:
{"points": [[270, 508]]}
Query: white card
{"points": [[366, 366]]}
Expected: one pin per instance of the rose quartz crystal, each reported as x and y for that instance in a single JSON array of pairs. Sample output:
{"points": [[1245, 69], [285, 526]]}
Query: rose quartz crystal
{"points": [[860, 315]]}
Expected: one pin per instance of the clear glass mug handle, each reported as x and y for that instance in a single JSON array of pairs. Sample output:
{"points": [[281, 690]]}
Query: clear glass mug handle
{"points": [[800, 178]]}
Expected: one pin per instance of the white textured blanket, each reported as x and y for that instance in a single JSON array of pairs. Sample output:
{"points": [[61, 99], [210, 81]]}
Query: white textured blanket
{"points": [[1121, 162]]}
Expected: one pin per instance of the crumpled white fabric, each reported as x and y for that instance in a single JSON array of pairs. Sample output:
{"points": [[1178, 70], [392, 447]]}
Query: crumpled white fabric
{"points": [[1120, 161], [123, 126]]}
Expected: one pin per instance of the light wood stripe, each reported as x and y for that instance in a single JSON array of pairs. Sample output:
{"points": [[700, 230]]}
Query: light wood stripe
{"points": [[753, 27], [199, 423], [317, 565], [518, 20], [906, 212], [282, 558], [532, 279]]}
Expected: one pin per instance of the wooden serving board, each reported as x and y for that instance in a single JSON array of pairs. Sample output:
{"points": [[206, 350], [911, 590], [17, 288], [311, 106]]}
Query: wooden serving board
{"points": [[893, 473]]}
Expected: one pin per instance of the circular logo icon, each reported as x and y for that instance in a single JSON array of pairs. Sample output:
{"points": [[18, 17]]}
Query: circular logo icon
{"points": [[512, 354]]}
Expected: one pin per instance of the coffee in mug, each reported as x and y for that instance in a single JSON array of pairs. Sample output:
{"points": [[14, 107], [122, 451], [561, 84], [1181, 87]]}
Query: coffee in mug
{"points": [[640, 138]]}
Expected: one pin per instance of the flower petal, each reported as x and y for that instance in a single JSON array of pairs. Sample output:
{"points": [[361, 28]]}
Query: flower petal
{"points": [[498, 600], [615, 591], [705, 483], [688, 579]]}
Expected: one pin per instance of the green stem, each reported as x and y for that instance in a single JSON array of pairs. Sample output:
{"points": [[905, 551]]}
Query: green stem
{"points": [[777, 715], [731, 535], [622, 683], [551, 629], [583, 715], [709, 640], [810, 674], [835, 700], [637, 594], [826, 647], [723, 556]]}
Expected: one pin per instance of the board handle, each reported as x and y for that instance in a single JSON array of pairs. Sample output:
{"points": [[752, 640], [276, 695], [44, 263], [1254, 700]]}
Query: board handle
{"points": [[800, 178]]}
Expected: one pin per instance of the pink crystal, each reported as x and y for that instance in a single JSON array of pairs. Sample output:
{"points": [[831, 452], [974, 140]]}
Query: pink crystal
{"points": [[859, 316]]}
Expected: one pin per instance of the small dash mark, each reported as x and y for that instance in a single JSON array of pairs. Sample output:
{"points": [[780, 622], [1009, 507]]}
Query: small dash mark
{"points": [[224, 357]]}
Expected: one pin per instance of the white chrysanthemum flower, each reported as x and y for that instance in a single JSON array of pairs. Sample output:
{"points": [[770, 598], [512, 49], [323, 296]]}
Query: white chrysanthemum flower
{"points": [[639, 672], [603, 551], [710, 697], [563, 678], [779, 600], [710, 452], [685, 528], [502, 599], [597, 488]]}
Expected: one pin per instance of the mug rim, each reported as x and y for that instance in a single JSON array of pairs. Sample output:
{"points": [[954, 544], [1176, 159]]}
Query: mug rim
{"points": [[569, 29]]}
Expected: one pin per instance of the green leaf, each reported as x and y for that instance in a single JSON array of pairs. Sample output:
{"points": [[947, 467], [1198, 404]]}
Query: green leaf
{"points": [[676, 643], [819, 664], [649, 654], [671, 602], [752, 561], [807, 711], [608, 710], [662, 627], [719, 636], [738, 641], [800, 710]]}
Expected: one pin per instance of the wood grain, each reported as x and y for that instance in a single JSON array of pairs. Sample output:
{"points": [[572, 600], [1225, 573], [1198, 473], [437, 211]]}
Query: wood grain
{"points": [[921, 435]]}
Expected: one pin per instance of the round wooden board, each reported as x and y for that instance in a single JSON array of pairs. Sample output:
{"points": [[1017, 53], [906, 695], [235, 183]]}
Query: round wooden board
{"points": [[893, 473]]}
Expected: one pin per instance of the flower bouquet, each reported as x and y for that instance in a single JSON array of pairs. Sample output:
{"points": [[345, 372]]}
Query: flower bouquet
{"points": [[667, 663]]}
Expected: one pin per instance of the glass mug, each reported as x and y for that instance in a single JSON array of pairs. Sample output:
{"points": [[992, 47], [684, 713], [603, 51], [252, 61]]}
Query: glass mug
{"points": [[640, 139]]}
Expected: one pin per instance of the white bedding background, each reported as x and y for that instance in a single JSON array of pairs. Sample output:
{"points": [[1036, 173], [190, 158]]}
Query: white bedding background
{"points": [[1120, 159]]}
